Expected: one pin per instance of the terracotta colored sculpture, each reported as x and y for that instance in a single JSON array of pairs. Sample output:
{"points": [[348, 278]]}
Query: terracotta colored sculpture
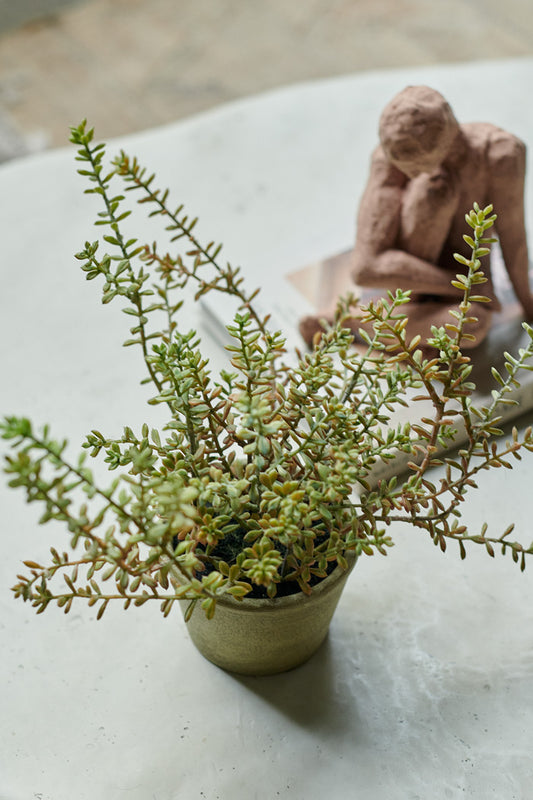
{"points": [[424, 176]]}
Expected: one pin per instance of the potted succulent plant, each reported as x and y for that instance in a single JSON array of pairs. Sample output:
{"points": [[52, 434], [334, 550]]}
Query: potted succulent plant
{"points": [[253, 503]]}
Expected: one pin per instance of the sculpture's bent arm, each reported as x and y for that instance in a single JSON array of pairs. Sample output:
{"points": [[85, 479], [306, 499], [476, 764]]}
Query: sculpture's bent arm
{"points": [[378, 262]]}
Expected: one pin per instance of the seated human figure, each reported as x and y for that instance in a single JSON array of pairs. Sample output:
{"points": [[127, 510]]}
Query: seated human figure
{"points": [[425, 175]]}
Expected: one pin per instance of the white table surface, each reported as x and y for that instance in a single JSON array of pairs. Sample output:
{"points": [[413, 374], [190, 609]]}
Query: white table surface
{"points": [[424, 689]]}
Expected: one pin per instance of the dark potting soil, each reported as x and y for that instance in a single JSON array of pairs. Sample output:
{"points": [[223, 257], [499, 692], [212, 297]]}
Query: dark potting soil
{"points": [[232, 544]]}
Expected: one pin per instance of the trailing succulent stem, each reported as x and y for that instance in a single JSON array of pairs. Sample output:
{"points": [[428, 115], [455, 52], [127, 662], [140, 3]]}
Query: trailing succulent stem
{"points": [[260, 478]]}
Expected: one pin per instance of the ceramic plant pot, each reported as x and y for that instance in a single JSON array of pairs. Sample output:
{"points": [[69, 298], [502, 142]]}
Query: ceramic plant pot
{"points": [[264, 637]]}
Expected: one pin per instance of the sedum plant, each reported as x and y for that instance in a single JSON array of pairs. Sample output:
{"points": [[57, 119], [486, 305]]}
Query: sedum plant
{"points": [[259, 483]]}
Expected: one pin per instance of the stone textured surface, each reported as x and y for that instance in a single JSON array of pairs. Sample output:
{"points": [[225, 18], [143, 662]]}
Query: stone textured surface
{"points": [[15, 13], [130, 64], [424, 688]]}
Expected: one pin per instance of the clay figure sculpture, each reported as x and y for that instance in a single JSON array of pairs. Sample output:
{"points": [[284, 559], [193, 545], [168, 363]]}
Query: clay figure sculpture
{"points": [[425, 174]]}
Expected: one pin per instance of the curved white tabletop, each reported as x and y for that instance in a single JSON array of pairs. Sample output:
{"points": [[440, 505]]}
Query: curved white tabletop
{"points": [[424, 688]]}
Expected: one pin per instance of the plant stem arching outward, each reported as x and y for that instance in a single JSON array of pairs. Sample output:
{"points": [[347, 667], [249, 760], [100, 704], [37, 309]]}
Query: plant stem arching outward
{"points": [[260, 477]]}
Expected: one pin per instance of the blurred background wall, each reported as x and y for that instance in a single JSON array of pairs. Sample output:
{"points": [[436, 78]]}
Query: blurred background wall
{"points": [[132, 64]]}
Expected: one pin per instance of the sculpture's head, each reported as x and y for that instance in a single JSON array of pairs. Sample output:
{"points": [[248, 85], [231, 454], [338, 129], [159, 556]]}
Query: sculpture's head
{"points": [[417, 129]]}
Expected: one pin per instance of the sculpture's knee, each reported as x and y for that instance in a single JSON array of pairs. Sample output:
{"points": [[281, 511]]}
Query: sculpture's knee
{"points": [[363, 269]]}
